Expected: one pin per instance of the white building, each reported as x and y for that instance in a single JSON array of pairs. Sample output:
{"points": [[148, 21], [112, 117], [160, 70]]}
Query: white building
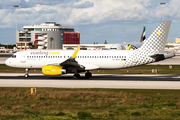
{"points": [[46, 35]]}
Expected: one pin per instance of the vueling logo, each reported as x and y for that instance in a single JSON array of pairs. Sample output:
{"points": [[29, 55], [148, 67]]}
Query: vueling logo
{"points": [[54, 53]]}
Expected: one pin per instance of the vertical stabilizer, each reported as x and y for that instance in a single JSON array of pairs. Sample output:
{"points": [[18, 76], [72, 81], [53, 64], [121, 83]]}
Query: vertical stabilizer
{"points": [[157, 40], [143, 36], [154, 45]]}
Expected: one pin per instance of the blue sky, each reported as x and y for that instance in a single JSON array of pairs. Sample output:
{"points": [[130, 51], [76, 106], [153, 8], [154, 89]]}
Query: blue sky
{"points": [[115, 21]]}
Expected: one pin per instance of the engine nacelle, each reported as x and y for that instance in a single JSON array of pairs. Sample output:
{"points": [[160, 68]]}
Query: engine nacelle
{"points": [[53, 70]]}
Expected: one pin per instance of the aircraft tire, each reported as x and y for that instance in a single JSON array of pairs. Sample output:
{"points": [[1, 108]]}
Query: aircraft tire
{"points": [[88, 75], [76, 76], [26, 75]]}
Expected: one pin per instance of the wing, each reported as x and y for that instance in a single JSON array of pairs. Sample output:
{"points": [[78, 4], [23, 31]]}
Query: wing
{"points": [[71, 61]]}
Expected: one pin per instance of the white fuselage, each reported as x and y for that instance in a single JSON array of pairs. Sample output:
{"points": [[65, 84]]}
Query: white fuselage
{"points": [[103, 59]]}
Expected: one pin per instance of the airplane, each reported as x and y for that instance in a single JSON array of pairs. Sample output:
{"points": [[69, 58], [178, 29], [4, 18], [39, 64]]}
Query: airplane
{"points": [[58, 62], [132, 45]]}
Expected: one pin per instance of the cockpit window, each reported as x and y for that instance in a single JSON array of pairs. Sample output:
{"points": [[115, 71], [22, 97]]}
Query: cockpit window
{"points": [[13, 56]]}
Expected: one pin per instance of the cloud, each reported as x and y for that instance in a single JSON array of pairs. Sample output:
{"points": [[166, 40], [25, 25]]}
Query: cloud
{"points": [[86, 4], [24, 12], [97, 20], [27, 0], [47, 11], [87, 12]]}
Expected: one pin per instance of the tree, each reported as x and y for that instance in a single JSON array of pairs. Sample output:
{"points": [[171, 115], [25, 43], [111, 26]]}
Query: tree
{"points": [[105, 42], [44, 47], [51, 39]]}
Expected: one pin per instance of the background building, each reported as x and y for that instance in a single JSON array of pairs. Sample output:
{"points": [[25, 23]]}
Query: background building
{"points": [[177, 40], [87, 46], [48, 35]]}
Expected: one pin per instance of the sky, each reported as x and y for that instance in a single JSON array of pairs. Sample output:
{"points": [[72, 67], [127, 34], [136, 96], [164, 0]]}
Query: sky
{"points": [[116, 21]]}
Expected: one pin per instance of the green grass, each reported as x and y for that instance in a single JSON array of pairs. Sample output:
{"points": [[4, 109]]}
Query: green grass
{"points": [[144, 69], [105, 104]]}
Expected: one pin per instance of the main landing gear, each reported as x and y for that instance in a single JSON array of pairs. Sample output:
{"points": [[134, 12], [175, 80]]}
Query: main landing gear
{"points": [[27, 73], [87, 75]]}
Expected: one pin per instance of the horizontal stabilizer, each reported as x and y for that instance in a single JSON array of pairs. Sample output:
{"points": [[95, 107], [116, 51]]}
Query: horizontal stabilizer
{"points": [[158, 57]]}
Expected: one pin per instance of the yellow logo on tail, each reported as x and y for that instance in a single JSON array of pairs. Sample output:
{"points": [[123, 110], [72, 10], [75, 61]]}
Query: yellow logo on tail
{"points": [[129, 47]]}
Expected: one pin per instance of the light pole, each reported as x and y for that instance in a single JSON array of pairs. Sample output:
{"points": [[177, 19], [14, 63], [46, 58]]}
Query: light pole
{"points": [[25, 31], [163, 3], [16, 6]]}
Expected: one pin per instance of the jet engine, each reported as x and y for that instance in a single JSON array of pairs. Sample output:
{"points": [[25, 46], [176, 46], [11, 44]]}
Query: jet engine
{"points": [[53, 70]]}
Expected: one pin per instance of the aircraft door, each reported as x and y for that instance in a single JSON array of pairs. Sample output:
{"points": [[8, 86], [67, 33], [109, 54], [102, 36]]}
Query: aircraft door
{"points": [[23, 57]]}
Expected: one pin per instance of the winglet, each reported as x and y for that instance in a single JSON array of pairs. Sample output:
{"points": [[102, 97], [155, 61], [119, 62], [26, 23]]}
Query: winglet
{"points": [[75, 53], [129, 47]]}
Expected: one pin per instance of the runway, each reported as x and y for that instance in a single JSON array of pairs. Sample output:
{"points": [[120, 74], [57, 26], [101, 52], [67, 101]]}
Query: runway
{"points": [[97, 81]]}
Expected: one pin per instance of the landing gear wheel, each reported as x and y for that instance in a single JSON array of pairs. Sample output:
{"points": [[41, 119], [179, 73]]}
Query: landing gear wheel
{"points": [[26, 75], [88, 75], [76, 76]]}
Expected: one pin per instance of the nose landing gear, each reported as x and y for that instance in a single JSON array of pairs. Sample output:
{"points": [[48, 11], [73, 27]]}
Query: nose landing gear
{"points": [[27, 73]]}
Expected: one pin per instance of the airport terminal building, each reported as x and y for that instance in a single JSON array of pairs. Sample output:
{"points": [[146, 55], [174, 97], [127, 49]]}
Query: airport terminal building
{"points": [[48, 35]]}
